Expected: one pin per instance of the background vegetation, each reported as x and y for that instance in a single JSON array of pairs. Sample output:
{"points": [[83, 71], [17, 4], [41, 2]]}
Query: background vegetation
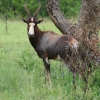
{"points": [[14, 8]]}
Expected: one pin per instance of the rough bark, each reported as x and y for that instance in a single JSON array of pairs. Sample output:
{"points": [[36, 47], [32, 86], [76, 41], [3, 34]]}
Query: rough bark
{"points": [[89, 24], [85, 31]]}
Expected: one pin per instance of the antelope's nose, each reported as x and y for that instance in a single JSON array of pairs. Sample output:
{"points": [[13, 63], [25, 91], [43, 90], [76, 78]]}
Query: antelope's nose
{"points": [[31, 28], [31, 32]]}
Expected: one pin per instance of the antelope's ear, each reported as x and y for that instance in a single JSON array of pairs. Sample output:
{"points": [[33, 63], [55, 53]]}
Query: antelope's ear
{"points": [[39, 21], [24, 20]]}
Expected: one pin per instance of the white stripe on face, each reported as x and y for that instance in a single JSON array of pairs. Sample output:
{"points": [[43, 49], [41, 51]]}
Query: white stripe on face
{"points": [[32, 19], [31, 28]]}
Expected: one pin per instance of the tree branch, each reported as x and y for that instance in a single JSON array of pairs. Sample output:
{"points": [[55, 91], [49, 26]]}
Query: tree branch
{"points": [[57, 16]]}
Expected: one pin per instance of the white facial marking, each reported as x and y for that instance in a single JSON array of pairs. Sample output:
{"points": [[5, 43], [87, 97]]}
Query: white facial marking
{"points": [[31, 28], [32, 19], [47, 60]]}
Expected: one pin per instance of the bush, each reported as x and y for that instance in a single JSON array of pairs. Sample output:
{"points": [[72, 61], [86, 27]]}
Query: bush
{"points": [[13, 8]]}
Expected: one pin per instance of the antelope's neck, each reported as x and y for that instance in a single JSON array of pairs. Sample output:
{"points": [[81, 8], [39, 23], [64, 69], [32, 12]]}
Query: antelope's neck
{"points": [[36, 38]]}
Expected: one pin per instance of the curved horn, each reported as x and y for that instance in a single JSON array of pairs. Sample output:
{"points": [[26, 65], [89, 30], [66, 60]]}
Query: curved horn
{"points": [[35, 14], [28, 12]]}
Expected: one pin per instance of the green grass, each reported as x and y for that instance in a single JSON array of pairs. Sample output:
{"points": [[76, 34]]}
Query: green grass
{"points": [[22, 72]]}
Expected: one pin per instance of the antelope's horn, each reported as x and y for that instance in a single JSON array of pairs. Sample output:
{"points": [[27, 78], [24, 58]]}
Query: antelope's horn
{"points": [[28, 12], [35, 14]]}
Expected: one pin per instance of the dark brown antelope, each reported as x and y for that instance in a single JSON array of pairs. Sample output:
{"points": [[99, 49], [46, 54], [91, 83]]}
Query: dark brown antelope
{"points": [[48, 44]]}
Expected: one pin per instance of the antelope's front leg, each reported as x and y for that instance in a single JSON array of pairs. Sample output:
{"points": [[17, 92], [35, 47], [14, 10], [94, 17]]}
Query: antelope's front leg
{"points": [[47, 70]]}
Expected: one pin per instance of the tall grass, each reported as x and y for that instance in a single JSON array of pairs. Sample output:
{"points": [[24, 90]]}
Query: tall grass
{"points": [[22, 72]]}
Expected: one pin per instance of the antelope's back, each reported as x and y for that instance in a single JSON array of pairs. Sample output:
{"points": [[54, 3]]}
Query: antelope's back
{"points": [[54, 44]]}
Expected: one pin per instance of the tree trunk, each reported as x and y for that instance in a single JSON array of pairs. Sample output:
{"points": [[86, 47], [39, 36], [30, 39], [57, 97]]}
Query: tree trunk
{"points": [[89, 23], [85, 31]]}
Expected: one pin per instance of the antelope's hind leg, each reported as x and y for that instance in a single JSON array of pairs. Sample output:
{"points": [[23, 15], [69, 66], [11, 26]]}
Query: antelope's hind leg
{"points": [[47, 70]]}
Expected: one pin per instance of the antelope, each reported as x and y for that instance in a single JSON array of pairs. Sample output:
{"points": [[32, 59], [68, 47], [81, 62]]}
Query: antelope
{"points": [[47, 44]]}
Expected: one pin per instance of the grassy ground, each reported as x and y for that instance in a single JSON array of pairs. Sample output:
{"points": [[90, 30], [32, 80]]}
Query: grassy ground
{"points": [[22, 72]]}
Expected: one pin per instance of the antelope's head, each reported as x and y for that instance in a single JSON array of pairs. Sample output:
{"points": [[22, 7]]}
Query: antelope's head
{"points": [[31, 21]]}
